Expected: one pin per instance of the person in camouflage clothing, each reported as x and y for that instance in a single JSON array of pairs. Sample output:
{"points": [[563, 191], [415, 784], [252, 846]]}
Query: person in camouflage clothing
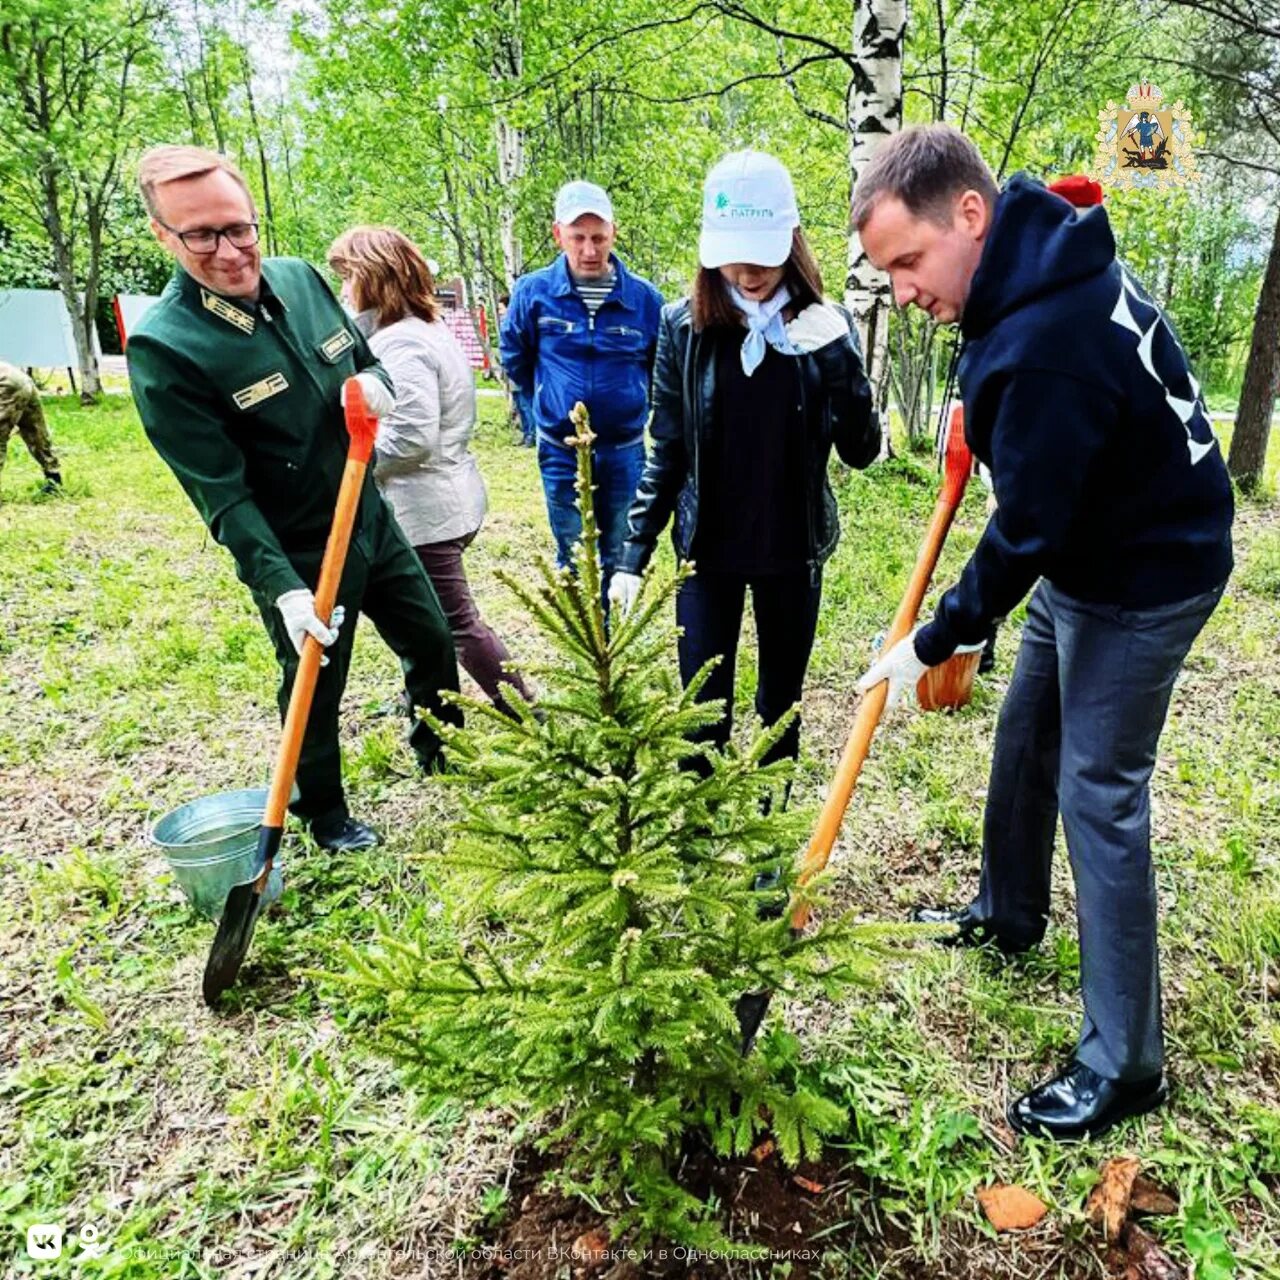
{"points": [[20, 407]]}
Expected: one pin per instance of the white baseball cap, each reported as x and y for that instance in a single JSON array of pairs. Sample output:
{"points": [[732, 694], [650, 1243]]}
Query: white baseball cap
{"points": [[575, 199], [748, 212]]}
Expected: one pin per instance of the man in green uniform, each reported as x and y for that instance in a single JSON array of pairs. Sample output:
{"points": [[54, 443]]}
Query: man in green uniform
{"points": [[237, 373], [20, 407]]}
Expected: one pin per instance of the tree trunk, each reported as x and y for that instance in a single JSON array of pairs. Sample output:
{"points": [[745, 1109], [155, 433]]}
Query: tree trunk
{"points": [[268, 214], [508, 66], [208, 76], [510, 167], [875, 112], [1248, 455], [81, 310]]}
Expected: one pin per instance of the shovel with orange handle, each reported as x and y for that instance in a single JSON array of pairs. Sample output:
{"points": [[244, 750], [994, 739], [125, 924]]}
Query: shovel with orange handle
{"points": [[244, 902], [958, 463]]}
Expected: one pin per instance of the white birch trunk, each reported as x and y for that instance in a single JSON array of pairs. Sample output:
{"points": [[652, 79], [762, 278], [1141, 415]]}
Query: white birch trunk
{"points": [[875, 112], [510, 170], [508, 66]]}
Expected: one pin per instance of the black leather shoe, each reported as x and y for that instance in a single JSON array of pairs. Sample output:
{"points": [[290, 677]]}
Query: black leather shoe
{"points": [[972, 932], [347, 836], [1079, 1103]]}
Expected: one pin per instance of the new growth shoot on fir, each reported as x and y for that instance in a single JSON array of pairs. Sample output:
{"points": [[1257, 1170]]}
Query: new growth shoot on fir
{"points": [[599, 918]]}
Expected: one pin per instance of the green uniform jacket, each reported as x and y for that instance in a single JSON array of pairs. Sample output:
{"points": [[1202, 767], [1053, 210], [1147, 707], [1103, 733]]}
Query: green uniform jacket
{"points": [[242, 401]]}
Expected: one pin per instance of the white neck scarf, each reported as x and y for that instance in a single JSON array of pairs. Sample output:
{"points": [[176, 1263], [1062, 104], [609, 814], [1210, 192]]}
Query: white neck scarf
{"points": [[764, 325]]}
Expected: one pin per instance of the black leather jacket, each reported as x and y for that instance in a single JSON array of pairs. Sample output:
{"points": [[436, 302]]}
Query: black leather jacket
{"points": [[837, 410]]}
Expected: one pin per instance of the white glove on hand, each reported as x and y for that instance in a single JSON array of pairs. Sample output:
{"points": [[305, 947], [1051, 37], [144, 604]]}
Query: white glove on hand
{"points": [[816, 326], [623, 589], [377, 398], [902, 669], [298, 609]]}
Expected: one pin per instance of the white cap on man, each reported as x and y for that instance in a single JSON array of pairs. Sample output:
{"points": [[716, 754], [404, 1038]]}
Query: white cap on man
{"points": [[748, 212], [576, 199]]}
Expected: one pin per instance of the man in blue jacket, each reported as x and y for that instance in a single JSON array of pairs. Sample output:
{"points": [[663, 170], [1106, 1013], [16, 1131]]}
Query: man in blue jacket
{"points": [[1114, 498], [586, 329]]}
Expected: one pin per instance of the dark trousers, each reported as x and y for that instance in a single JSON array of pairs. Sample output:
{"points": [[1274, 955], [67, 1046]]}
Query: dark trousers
{"points": [[709, 610], [1077, 736], [384, 580], [480, 651]]}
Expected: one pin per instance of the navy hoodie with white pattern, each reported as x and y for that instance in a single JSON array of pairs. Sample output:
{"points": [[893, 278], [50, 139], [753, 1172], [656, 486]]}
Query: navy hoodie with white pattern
{"points": [[1079, 398]]}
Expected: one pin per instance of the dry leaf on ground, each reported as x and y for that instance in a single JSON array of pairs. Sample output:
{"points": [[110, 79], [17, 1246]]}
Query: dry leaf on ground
{"points": [[808, 1184], [591, 1248], [1010, 1208], [1139, 1256], [1108, 1203], [1148, 1198]]}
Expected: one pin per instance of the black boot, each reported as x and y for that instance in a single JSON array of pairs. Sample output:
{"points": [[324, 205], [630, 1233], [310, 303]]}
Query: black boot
{"points": [[346, 835], [52, 482]]}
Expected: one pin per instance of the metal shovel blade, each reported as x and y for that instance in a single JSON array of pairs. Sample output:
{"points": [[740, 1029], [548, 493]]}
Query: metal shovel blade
{"points": [[231, 943], [750, 1011], [753, 1005], [239, 916]]}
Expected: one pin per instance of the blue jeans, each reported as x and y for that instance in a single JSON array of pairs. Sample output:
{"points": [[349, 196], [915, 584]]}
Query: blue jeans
{"points": [[1077, 736], [616, 470], [524, 411]]}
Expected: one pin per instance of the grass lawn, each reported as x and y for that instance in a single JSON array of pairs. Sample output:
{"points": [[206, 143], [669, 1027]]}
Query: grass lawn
{"points": [[266, 1141]]}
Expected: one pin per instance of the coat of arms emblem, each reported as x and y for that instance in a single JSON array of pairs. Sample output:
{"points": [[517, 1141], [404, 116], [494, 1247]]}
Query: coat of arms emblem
{"points": [[1144, 144]]}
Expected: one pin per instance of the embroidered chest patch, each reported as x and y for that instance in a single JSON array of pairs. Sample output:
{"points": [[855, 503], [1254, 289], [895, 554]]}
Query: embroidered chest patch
{"points": [[331, 348], [272, 385]]}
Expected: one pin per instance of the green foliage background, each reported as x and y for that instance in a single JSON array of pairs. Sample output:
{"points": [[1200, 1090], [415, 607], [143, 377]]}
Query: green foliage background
{"points": [[351, 110]]}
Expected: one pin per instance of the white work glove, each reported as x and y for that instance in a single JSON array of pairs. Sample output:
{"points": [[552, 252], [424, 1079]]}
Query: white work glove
{"points": [[816, 326], [298, 609], [901, 668], [623, 589], [377, 398]]}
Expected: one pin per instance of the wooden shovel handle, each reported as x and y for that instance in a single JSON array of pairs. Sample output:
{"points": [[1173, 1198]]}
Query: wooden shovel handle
{"points": [[361, 426], [959, 462]]}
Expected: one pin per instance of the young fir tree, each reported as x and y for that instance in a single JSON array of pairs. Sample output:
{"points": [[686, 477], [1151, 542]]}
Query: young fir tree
{"points": [[601, 916]]}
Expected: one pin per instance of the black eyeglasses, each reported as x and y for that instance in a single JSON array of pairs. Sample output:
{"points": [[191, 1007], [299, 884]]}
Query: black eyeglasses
{"points": [[241, 235]]}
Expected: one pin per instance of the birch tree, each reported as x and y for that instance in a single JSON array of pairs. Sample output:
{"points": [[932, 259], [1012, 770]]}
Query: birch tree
{"points": [[70, 110]]}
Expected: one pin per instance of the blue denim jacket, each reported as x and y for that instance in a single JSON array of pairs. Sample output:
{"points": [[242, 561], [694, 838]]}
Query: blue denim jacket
{"points": [[556, 353]]}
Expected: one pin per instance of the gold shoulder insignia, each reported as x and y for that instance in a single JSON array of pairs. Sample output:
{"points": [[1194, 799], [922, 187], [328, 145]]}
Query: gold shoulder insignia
{"points": [[228, 311]]}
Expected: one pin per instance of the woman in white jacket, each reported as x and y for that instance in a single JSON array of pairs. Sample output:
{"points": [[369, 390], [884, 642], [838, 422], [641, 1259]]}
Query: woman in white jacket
{"points": [[424, 465]]}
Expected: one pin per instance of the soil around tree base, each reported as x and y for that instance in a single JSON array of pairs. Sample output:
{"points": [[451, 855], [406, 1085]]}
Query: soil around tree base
{"points": [[792, 1215]]}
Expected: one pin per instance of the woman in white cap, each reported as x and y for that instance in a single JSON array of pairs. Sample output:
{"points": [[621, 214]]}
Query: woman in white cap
{"points": [[756, 378]]}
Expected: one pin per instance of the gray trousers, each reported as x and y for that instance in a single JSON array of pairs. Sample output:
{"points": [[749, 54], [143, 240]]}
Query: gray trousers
{"points": [[1077, 737]]}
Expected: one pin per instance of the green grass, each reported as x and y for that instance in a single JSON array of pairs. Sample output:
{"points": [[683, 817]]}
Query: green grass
{"points": [[134, 675]]}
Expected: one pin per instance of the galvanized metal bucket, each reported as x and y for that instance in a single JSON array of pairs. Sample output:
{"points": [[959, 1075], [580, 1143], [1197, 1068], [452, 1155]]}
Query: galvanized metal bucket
{"points": [[212, 845]]}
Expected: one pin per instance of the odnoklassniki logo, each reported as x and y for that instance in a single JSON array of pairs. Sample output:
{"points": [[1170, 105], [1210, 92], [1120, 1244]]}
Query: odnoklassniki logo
{"points": [[1144, 144]]}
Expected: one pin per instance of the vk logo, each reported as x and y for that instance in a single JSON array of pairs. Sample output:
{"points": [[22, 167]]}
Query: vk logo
{"points": [[44, 1240]]}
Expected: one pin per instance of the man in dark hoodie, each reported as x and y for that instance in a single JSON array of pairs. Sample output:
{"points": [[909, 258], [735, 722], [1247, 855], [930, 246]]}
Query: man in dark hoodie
{"points": [[1113, 496]]}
